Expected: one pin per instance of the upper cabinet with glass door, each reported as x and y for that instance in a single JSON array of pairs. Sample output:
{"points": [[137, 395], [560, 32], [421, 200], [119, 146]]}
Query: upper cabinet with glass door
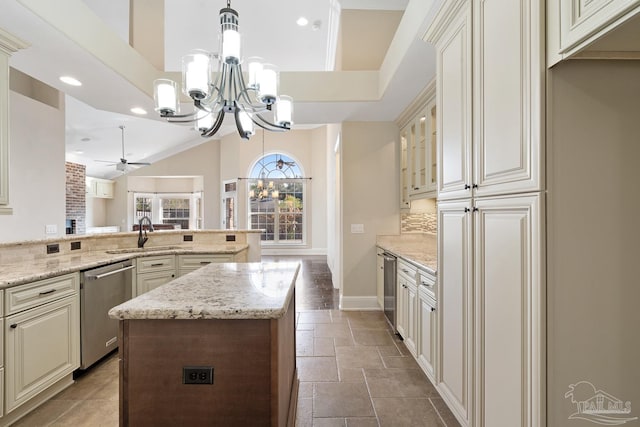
{"points": [[418, 149], [422, 154]]}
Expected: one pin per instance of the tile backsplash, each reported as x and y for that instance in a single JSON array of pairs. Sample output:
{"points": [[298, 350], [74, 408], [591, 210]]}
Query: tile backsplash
{"points": [[419, 222]]}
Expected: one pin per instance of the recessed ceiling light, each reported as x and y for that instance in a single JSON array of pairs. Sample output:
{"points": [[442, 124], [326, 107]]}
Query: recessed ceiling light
{"points": [[85, 139], [302, 21], [138, 110], [79, 152], [70, 81]]}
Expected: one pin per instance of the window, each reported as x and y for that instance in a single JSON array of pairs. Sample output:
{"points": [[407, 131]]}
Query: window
{"points": [[276, 200], [182, 210]]}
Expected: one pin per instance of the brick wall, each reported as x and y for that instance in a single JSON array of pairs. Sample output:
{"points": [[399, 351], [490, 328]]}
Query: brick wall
{"points": [[76, 195]]}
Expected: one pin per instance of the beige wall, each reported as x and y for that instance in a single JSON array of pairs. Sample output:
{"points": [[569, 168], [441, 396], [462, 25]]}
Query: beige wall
{"points": [[308, 148], [370, 186], [202, 160], [36, 169], [333, 212]]}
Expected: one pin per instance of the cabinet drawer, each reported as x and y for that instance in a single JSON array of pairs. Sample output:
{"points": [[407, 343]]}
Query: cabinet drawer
{"points": [[156, 263], [427, 283], [197, 261], [409, 270], [37, 293]]}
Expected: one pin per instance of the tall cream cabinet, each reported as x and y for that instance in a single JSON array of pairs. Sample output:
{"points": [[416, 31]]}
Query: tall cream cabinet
{"points": [[490, 96]]}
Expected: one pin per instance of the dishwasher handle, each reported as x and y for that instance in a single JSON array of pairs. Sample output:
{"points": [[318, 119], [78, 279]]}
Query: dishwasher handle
{"points": [[100, 276]]}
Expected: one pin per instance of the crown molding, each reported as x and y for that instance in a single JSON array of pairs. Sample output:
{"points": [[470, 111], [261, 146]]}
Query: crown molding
{"points": [[10, 43], [418, 103], [443, 18]]}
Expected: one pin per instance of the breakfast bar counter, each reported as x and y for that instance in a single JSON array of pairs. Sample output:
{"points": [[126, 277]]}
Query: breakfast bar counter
{"points": [[234, 323]]}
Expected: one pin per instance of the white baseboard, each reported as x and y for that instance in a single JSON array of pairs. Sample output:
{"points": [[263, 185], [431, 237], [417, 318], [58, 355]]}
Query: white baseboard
{"points": [[293, 251], [359, 303]]}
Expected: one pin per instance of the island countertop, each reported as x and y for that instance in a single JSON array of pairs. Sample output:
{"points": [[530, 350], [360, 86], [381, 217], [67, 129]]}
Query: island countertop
{"points": [[218, 291]]}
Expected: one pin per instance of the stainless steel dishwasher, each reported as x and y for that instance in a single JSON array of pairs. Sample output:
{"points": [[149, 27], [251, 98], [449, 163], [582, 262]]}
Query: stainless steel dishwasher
{"points": [[101, 289], [390, 266]]}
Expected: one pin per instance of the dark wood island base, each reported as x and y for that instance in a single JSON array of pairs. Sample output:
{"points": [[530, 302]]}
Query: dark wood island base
{"points": [[255, 381]]}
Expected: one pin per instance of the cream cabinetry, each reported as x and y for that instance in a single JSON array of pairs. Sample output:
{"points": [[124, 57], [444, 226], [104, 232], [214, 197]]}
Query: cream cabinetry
{"points": [[189, 263], [404, 168], [101, 188], [491, 339], [426, 351], [406, 306], [154, 271], [489, 127], [581, 22], [42, 337], [454, 373], [490, 145], [418, 148]]}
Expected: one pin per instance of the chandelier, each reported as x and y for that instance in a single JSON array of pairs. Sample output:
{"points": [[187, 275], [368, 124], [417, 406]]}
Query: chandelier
{"points": [[260, 190], [255, 103]]}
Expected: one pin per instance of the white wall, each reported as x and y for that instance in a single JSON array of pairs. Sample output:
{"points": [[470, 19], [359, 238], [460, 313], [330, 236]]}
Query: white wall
{"points": [[334, 214], [308, 148], [36, 170], [370, 196]]}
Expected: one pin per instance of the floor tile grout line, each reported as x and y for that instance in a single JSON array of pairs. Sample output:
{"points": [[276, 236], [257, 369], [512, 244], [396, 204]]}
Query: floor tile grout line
{"points": [[438, 412]]}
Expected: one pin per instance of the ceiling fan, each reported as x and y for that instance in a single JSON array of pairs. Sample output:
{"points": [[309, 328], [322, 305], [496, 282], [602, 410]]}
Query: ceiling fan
{"points": [[123, 164]]}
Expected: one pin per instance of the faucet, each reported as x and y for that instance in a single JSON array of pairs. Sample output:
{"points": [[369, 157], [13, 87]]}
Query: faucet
{"points": [[143, 240]]}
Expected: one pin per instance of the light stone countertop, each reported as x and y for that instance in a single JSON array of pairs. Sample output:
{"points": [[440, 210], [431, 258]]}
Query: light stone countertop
{"points": [[420, 249], [218, 291], [12, 274]]}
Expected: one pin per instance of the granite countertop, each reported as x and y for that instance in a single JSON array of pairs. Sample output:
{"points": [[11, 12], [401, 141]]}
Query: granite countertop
{"points": [[218, 291], [419, 249], [13, 274]]}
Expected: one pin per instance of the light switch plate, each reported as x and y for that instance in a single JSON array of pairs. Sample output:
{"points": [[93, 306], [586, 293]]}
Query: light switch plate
{"points": [[51, 229], [357, 228]]}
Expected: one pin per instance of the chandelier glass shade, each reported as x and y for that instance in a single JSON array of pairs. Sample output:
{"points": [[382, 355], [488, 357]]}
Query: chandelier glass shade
{"points": [[253, 102]]}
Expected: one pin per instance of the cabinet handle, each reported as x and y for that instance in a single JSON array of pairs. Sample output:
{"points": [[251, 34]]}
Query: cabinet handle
{"points": [[205, 262], [15, 325], [405, 271], [432, 308], [50, 291], [475, 186], [416, 188], [159, 264], [467, 187], [467, 209], [427, 284], [475, 209]]}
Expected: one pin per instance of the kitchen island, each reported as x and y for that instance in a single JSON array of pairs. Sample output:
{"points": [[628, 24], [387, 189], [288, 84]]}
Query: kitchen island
{"points": [[236, 318]]}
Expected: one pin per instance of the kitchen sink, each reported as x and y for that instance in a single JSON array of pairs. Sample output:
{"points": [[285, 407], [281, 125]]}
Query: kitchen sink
{"points": [[147, 249]]}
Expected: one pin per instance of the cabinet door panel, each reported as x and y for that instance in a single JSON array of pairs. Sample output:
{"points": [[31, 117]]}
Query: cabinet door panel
{"points": [[454, 104], [455, 339], [42, 347], [412, 317], [581, 20], [507, 95], [426, 319], [148, 281], [507, 315]]}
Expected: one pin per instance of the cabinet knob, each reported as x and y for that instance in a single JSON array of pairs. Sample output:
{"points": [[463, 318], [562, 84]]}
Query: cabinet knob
{"points": [[15, 325], [467, 209], [475, 209], [467, 187], [475, 186]]}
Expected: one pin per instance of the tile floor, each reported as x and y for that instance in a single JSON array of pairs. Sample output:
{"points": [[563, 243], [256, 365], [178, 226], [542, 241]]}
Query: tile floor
{"points": [[353, 371]]}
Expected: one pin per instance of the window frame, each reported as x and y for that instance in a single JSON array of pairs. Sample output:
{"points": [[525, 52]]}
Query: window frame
{"points": [[195, 218]]}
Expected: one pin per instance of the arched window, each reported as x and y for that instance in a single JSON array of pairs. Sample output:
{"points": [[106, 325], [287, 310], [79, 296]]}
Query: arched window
{"points": [[276, 191]]}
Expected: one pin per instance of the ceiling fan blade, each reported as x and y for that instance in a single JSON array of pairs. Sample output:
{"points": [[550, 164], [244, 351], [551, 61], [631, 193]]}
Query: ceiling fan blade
{"points": [[139, 163]]}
